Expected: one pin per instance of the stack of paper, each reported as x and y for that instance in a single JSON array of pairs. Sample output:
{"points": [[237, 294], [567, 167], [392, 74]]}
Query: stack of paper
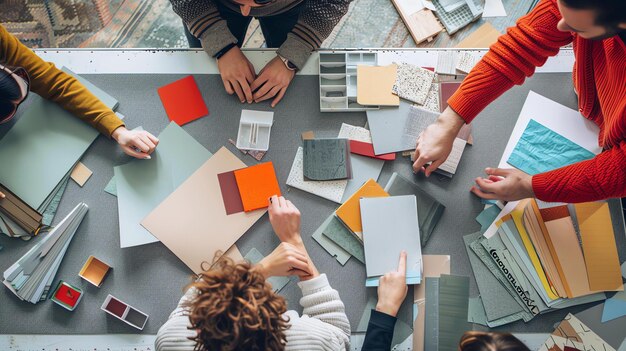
{"points": [[534, 251], [46, 137], [144, 184], [32, 275], [390, 225], [429, 210], [192, 221]]}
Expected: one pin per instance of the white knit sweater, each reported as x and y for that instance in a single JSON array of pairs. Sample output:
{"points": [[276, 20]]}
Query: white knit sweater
{"points": [[322, 326]]}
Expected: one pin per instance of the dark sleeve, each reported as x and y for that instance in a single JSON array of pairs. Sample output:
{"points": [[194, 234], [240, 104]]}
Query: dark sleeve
{"points": [[379, 332], [317, 20]]}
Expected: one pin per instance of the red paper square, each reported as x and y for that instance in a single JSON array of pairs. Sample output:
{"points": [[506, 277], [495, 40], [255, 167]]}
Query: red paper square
{"points": [[182, 101], [367, 149]]}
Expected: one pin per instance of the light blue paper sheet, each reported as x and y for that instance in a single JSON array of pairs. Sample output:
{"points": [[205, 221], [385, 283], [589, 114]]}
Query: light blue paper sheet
{"points": [[541, 149], [144, 184]]}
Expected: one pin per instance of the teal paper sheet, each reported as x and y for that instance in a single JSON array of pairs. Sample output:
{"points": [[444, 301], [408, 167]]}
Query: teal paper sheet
{"points": [[540, 150], [143, 184], [342, 256], [277, 283], [111, 187], [342, 236]]}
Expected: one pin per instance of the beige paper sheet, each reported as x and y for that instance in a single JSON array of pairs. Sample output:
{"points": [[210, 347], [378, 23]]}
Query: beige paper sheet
{"points": [[598, 240], [569, 256], [81, 174], [192, 221], [374, 83], [434, 266]]}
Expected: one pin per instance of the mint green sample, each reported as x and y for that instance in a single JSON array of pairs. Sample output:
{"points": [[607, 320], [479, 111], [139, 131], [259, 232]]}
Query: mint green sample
{"points": [[143, 184], [111, 187], [277, 283], [541, 149], [342, 236], [342, 256]]}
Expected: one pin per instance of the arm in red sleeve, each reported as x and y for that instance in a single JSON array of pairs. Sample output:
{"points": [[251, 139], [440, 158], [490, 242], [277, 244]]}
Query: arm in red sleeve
{"points": [[599, 178], [511, 59]]}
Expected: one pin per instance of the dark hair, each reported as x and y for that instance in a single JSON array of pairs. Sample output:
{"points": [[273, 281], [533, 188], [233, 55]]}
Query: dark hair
{"points": [[10, 91], [235, 309], [488, 341], [610, 13]]}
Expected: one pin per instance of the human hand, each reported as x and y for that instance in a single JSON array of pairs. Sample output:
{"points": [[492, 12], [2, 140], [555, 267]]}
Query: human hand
{"points": [[392, 289], [285, 219], [136, 143], [435, 142], [273, 80], [237, 74], [504, 184], [285, 260], [2, 196]]}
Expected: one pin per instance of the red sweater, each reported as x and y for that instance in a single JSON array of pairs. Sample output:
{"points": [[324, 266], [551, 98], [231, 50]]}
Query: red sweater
{"points": [[599, 77]]}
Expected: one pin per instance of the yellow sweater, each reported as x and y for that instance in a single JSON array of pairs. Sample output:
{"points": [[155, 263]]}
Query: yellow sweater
{"points": [[53, 84]]}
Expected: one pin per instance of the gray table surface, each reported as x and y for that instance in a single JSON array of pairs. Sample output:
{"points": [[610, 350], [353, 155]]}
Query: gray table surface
{"points": [[151, 278]]}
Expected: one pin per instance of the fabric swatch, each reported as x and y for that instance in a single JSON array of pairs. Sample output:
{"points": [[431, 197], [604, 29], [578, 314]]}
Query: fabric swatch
{"points": [[540, 149], [183, 101], [326, 159], [351, 132], [230, 192], [418, 119], [413, 83], [331, 190], [256, 185]]}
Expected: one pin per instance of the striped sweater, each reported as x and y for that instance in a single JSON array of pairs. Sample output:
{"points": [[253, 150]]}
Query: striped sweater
{"points": [[599, 78], [322, 326], [316, 22]]}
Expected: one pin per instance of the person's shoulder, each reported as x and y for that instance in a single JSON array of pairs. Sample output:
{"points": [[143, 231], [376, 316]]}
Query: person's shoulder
{"points": [[175, 334]]}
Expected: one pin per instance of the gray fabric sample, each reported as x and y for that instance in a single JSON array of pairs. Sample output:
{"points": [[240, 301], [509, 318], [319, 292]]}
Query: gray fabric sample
{"points": [[326, 159], [453, 301]]}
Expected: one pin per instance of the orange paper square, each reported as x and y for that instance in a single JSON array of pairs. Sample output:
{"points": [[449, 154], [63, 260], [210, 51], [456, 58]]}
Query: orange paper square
{"points": [[256, 185]]}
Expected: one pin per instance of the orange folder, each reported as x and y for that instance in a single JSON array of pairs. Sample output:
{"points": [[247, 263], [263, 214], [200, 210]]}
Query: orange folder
{"points": [[256, 185], [350, 212]]}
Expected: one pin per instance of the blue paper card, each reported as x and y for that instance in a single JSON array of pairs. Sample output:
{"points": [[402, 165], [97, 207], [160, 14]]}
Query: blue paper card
{"points": [[540, 149]]}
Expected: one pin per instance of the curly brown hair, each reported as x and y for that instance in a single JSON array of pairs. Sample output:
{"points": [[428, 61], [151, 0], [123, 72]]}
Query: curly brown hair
{"points": [[489, 341], [235, 309]]}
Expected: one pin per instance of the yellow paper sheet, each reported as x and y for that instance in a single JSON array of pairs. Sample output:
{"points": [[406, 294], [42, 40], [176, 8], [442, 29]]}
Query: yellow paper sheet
{"points": [[599, 248], [374, 83], [518, 215]]}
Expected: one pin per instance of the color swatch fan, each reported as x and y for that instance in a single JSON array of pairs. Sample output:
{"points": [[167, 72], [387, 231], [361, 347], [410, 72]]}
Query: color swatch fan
{"points": [[32, 275]]}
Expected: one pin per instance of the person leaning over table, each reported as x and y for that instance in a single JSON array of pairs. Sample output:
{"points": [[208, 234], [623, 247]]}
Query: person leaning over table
{"points": [[597, 29], [392, 291], [232, 307], [21, 71], [295, 27]]}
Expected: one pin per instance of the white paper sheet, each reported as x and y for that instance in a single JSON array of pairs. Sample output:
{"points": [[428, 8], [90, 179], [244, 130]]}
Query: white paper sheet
{"points": [[494, 8]]}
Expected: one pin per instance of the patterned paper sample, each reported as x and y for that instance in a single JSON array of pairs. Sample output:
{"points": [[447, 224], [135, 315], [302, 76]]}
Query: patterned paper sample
{"points": [[446, 62], [332, 190], [413, 83], [432, 99], [351, 132], [416, 122], [571, 332], [466, 61]]}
